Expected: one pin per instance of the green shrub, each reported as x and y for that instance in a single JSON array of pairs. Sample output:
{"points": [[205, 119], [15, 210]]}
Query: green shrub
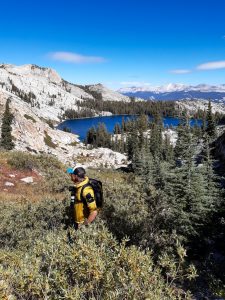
{"points": [[21, 160], [22, 224], [73, 143], [53, 171], [29, 118], [39, 262], [54, 181], [48, 141], [94, 267]]}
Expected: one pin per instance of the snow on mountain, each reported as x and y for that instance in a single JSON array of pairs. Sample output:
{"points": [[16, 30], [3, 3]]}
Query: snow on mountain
{"points": [[174, 87], [177, 92], [47, 93]]}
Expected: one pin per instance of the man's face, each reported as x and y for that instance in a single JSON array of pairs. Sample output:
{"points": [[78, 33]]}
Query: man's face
{"points": [[74, 178]]}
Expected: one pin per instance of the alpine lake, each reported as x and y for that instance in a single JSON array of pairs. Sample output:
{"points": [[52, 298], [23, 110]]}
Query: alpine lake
{"points": [[81, 126]]}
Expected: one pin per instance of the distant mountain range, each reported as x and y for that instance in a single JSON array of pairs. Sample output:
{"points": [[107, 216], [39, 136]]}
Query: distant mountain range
{"points": [[177, 92]]}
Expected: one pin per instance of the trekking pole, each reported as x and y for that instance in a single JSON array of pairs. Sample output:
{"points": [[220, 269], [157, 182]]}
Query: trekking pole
{"points": [[71, 213]]}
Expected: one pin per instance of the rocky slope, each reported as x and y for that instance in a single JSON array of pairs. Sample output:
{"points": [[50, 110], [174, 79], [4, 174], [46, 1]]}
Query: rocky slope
{"points": [[31, 132], [192, 106], [48, 95]]}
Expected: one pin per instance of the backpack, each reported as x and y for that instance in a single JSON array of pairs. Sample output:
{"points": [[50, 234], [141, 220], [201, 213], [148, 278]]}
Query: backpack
{"points": [[98, 191]]}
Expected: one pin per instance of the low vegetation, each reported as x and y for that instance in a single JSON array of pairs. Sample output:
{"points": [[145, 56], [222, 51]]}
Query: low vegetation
{"points": [[48, 141], [160, 234], [30, 118], [39, 262]]}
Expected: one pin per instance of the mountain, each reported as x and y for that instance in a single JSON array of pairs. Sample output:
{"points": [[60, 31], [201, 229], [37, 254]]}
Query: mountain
{"points": [[47, 93], [39, 95], [177, 92]]}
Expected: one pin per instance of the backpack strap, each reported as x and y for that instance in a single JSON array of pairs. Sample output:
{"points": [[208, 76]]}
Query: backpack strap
{"points": [[90, 199]]}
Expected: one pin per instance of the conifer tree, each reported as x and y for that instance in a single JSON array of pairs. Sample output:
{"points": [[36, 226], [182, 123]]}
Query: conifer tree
{"points": [[167, 149], [91, 136], [6, 136], [132, 141], [156, 140], [210, 126], [102, 136], [117, 129], [184, 139]]}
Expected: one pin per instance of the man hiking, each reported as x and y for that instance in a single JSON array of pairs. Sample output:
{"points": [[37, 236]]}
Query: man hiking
{"points": [[85, 207]]}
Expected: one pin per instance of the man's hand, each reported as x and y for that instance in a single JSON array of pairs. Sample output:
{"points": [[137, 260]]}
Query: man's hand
{"points": [[90, 218], [86, 222]]}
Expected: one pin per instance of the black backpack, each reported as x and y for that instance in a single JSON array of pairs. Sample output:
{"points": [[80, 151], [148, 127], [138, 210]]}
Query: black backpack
{"points": [[98, 191]]}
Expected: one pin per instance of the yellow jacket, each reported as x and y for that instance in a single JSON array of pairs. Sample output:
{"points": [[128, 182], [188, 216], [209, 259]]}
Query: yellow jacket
{"points": [[81, 210]]}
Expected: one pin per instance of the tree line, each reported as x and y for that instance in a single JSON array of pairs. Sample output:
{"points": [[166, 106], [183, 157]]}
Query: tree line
{"points": [[180, 186]]}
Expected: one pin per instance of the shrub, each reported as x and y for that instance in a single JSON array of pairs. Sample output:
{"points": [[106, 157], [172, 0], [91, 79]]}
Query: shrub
{"points": [[43, 162], [30, 118], [54, 177], [22, 224], [95, 267], [21, 160], [48, 141]]}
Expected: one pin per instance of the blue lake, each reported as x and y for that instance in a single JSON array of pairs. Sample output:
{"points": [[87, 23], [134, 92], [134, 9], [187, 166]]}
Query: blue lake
{"points": [[81, 126]]}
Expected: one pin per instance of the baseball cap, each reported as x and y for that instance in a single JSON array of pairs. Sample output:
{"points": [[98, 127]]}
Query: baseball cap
{"points": [[79, 171]]}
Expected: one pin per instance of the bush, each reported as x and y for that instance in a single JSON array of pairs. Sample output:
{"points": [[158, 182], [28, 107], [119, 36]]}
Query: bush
{"points": [[48, 141], [23, 223], [52, 170], [95, 267], [21, 160], [38, 261], [30, 118]]}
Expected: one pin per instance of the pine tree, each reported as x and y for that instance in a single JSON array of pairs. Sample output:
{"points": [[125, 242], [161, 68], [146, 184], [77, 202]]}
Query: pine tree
{"points": [[211, 126], [167, 149], [156, 140], [117, 129], [192, 192], [184, 139], [102, 136], [132, 142], [91, 136], [6, 136]]}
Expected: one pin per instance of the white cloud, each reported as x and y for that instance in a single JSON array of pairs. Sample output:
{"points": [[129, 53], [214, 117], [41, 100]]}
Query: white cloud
{"points": [[213, 65], [76, 58], [180, 71]]}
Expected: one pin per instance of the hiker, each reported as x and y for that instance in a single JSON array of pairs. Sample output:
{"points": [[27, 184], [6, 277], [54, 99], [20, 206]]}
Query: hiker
{"points": [[85, 207]]}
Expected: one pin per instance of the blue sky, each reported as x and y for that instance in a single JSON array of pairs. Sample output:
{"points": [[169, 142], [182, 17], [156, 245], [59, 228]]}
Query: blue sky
{"points": [[118, 43]]}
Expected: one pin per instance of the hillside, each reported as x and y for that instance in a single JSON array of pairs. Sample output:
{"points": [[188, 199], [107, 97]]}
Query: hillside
{"points": [[38, 98], [48, 95], [42, 258]]}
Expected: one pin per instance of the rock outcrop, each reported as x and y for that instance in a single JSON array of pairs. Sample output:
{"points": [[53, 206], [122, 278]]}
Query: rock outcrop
{"points": [[38, 95]]}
